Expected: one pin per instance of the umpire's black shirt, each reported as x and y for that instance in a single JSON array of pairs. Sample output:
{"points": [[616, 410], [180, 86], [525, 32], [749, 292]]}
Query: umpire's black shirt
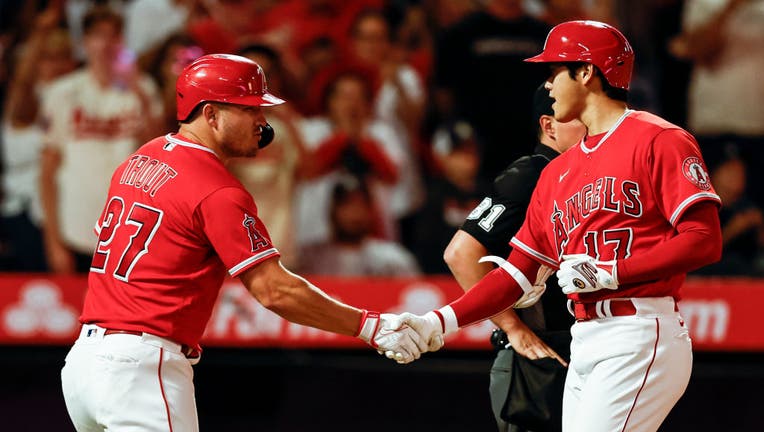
{"points": [[500, 215]]}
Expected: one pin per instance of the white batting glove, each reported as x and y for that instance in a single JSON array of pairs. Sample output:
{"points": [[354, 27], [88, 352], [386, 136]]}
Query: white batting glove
{"points": [[581, 273], [388, 334], [429, 327]]}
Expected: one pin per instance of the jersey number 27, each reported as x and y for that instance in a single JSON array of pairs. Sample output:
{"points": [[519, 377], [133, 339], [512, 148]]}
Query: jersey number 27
{"points": [[145, 218]]}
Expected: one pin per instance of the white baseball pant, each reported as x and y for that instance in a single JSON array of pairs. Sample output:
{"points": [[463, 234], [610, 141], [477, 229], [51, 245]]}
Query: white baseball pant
{"points": [[627, 372], [124, 382]]}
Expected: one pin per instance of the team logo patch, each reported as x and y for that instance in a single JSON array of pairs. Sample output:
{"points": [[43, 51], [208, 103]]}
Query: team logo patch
{"points": [[256, 240], [695, 172]]}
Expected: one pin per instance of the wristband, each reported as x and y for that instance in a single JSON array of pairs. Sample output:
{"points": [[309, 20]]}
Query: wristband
{"points": [[368, 326]]}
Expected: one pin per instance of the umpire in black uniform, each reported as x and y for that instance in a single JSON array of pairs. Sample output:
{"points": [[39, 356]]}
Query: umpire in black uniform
{"points": [[540, 333]]}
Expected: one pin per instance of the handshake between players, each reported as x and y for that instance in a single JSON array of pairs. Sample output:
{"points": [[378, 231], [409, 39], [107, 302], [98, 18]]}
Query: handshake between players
{"points": [[405, 337]]}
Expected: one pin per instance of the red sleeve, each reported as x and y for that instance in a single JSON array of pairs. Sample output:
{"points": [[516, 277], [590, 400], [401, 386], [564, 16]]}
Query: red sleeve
{"points": [[698, 243], [327, 155], [679, 175], [324, 158], [381, 164], [229, 219], [495, 292]]}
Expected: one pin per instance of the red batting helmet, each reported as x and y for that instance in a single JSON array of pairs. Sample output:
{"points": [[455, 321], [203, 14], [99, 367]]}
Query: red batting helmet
{"points": [[592, 42], [222, 78]]}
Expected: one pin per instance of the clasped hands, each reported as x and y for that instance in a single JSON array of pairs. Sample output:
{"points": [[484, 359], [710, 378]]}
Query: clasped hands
{"points": [[403, 338]]}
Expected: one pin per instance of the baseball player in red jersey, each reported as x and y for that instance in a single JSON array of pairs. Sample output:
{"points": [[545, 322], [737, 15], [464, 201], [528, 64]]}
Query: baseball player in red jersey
{"points": [[175, 222], [623, 216]]}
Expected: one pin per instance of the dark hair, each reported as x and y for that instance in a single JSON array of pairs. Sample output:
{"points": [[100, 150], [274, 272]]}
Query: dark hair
{"points": [[279, 77], [347, 186], [542, 106], [198, 109], [196, 112], [152, 60], [371, 13], [98, 14], [611, 92], [321, 42], [542, 103], [349, 73], [260, 49]]}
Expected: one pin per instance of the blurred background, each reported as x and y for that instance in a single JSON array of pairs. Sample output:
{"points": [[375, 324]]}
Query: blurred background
{"points": [[400, 114]]}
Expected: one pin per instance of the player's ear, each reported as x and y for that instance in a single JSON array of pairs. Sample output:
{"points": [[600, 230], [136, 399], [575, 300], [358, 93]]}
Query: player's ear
{"points": [[546, 123], [209, 111], [586, 72]]}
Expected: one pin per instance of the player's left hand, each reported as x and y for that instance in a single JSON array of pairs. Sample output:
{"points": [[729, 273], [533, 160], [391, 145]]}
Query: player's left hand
{"points": [[581, 273]]}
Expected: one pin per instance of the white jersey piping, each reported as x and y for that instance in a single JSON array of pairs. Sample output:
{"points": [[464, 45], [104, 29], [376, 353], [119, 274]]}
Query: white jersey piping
{"points": [[527, 249], [686, 203], [607, 135], [180, 142], [233, 270]]}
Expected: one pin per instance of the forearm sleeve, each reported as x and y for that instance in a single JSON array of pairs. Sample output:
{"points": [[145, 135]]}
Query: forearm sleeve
{"points": [[495, 292], [698, 243]]}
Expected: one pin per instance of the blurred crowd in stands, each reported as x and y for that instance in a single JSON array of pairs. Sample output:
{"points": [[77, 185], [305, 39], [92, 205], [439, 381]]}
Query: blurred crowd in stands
{"points": [[400, 114]]}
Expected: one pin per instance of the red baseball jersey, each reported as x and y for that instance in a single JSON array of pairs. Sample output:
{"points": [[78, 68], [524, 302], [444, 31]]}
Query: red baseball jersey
{"points": [[616, 195], [174, 222]]}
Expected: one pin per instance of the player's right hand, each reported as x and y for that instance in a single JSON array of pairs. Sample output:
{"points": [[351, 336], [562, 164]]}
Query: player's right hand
{"points": [[391, 337], [428, 326]]}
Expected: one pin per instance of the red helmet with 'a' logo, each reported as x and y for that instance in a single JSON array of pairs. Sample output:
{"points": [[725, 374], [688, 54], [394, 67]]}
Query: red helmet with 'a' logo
{"points": [[222, 78], [592, 42]]}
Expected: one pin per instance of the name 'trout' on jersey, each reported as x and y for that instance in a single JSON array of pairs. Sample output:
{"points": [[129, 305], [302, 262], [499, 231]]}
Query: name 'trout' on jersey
{"points": [[174, 223]]}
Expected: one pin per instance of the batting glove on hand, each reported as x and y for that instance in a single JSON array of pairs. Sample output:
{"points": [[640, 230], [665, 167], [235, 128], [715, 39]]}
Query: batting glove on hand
{"points": [[429, 327], [390, 336], [581, 273]]}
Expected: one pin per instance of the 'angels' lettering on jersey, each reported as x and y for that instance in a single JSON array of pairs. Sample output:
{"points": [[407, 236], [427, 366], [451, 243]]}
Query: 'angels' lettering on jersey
{"points": [[146, 173], [617, 195], [604, 194]]}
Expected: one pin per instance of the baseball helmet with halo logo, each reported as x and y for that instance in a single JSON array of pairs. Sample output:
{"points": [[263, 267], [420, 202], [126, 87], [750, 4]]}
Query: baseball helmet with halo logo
{"points": [[592, 42], [224, 78]]}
